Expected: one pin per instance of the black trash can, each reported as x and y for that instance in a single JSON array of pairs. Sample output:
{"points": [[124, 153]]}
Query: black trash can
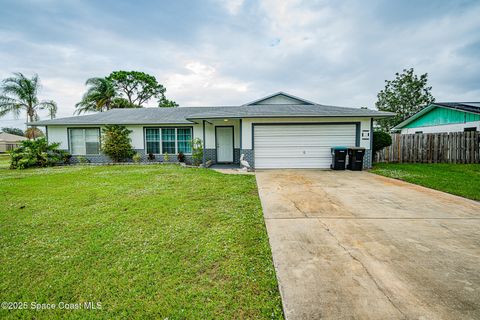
{"points": [[339, 156], [355, 159]]}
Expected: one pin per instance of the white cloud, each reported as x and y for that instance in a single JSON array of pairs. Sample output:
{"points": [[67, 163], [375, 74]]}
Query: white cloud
{"points": [[232, 6], [199, 83]]}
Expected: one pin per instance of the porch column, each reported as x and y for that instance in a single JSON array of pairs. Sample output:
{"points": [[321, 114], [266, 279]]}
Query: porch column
{"points": [[203, 157], [241, 136]]}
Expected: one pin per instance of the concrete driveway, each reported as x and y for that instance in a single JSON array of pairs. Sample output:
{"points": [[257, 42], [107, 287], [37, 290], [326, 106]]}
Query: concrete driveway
{"points": [[356, 245]]}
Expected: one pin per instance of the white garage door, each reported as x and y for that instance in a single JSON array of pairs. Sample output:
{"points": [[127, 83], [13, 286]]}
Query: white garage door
{"points": [[299, 146]]}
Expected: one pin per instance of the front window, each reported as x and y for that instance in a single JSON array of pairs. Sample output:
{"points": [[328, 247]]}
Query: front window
{"points": [[85, 141], [153, 140], [168, 140], [184, 140]]}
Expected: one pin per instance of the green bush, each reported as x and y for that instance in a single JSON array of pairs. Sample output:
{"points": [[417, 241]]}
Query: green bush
{"points": [[197, 151], [37, 153], [116, 143], [381, 139], [137, 157], [83, 160], [166, 157]]}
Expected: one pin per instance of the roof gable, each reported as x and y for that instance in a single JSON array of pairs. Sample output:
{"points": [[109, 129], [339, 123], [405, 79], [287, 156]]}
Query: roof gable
{"points": [[280, 98]]}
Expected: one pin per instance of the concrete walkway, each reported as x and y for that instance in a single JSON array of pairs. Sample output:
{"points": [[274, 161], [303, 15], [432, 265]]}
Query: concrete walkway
{"points": [[354, 245]]}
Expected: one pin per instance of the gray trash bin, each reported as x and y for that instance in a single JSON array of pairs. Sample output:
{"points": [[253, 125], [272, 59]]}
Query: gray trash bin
{"points": [[355, 158], [339, 157]]}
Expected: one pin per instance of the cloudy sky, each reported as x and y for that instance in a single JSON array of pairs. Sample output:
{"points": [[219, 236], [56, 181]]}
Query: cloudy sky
{"points": [[224, 52]]}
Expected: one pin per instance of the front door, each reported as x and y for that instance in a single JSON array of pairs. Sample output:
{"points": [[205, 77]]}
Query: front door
{"points": [[224, 138]]}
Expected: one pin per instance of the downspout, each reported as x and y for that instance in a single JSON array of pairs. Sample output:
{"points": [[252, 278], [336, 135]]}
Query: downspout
{"points": [[203, 155]]}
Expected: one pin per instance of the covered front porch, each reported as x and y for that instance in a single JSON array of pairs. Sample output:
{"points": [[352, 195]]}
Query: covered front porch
{"points": [[221, 140]]}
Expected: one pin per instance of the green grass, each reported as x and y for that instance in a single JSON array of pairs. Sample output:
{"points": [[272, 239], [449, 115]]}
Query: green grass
{"points": [[459, 179], [158, 241], [4, 161]]}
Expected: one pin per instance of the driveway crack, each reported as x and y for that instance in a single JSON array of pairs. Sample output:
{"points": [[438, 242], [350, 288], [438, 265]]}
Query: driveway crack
{"points": [[324, 226], [298, 208]]}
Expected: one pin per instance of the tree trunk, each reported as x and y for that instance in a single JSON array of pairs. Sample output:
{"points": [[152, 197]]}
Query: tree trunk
{"points": [[30, 119]]}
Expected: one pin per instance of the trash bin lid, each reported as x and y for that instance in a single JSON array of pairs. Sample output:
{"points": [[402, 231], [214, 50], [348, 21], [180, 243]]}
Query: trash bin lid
{"points": [[339, 148], [356, 148]]}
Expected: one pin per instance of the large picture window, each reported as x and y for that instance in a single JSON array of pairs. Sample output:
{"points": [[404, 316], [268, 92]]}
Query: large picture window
{"points": [[84, 141], [184, 140], [152, 137], [168, 140]]}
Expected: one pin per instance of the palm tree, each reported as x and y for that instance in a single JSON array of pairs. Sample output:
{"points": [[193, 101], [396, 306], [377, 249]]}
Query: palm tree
{"points": [[99, 96], [18, 93]]}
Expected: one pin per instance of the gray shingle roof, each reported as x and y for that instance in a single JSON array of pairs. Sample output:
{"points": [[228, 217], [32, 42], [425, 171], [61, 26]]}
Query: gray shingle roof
{"points": [[185, 115], [473, 107]]}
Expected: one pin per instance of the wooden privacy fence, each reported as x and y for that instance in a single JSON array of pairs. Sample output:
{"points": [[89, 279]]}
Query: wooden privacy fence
{"points": [[455, 147]]}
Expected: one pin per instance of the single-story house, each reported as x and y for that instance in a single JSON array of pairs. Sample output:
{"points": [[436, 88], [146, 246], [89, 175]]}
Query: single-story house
{"points": [[443, 117], [277, 131], [10, 141]]}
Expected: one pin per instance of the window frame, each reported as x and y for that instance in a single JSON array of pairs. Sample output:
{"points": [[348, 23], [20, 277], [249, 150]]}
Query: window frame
{"points": [[161, 140], [69, 130]]}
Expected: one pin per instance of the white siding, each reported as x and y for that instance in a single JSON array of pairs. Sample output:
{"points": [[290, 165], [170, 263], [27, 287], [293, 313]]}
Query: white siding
{"points": [[210, 131], [454, 127], [58, 135]]}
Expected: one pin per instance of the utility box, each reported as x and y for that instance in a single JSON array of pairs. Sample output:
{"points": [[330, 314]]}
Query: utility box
{"points": [[339, 157], [355, 159]]}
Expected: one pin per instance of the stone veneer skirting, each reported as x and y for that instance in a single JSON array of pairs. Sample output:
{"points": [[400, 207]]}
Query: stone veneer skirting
{"points": [[367, 159], [101, 158], [210, 154]]}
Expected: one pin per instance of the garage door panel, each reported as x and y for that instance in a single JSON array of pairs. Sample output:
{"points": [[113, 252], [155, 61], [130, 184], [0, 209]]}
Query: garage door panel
{"points": [[313, 139], [307, 163], [303, 141], [299, 146], [294, 151]]}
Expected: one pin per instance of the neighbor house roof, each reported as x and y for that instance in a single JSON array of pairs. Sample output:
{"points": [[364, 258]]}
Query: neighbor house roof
{"points": [[8, 137], [471, 107], [187, 115]]}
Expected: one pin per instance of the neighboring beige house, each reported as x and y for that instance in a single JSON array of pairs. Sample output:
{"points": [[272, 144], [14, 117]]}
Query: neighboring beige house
{"points": [[9, 141]]}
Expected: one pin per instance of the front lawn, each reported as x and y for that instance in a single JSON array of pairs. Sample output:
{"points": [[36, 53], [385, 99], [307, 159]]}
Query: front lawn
{"points": [[158, 241], [459, 179], [4, 161]]}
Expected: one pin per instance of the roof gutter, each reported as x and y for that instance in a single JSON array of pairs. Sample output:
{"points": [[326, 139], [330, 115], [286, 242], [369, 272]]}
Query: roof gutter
{"points": [[40, 124], [296, 116]]}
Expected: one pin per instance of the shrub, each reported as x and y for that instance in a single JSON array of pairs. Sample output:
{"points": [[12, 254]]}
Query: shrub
{"points": [[137, 157], [151, 156], [197, 151], [37, 153], [82, 160], [166, 157], [116, 143], [181, 157], [381, 139]]}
